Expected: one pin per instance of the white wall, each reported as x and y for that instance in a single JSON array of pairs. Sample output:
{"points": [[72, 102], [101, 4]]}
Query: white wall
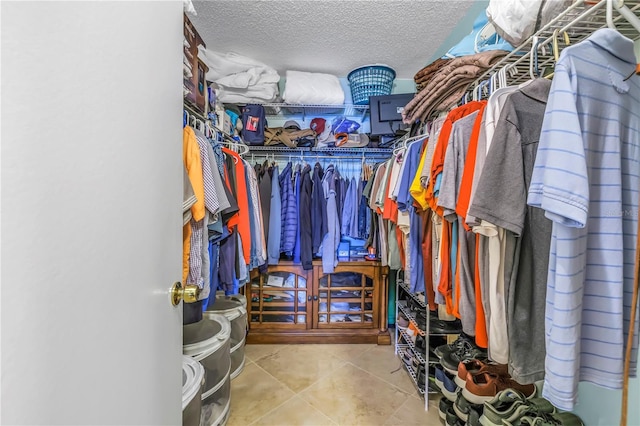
{"points": [[90, 94]]}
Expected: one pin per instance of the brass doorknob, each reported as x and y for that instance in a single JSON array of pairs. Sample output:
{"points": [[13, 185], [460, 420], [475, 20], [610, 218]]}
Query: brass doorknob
{"points": [[188, 293]]}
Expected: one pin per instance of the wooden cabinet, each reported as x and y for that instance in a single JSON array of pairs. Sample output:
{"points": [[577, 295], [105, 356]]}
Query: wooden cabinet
{"points": [[290, 305]]}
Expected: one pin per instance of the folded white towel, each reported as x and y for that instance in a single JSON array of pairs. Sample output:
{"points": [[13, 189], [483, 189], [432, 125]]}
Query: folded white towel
{"points": [[223, 65], [255, 94], [312, 88]]}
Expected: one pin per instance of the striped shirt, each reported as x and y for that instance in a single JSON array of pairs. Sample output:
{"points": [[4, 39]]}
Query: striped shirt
{"points": [[587, 179]]}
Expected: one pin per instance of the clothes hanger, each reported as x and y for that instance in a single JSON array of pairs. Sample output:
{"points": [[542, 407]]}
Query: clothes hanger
{"points": [[533, 58]]}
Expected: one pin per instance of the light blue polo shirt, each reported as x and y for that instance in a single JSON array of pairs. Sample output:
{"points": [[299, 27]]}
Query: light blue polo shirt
{"points": [[587, 179]]}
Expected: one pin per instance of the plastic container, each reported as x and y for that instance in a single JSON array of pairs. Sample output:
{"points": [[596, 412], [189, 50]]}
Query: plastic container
{"points": [[208, 341], [370, 80], [216, 403], [235, 310], [192, 384], [237, 359]]}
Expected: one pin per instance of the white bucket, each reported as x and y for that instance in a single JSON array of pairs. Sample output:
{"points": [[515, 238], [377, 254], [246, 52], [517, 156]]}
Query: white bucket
{"points": [[235, 309], [216, 402], [192, 383], [237, 359], [208, 341]]}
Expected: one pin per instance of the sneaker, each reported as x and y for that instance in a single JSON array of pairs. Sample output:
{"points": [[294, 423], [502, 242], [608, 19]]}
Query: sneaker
{"points": [[474, 416], [502, 406], [446, 384], [441, 350], [484, 387], [547, 419], [443, 406], [462, 407], [533, 407], [451, 419], [466, 351], [407, 356], [402, 322], [476, 366]]}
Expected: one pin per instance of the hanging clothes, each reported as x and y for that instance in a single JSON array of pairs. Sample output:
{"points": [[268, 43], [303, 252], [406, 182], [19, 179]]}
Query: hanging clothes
{"points": [[305, 219], [275, 220], [318, 209], [586, 179], [332, 237], [193, 165], [289, 214], [296, 190]]}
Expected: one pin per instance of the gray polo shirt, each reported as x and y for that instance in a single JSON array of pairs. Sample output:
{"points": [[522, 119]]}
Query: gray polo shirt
{"points": [[501, 199]]}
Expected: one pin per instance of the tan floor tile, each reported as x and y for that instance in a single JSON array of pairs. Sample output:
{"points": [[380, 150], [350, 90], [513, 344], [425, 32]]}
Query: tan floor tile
{"points": [[253, 394], [296, 411], [383, 363], [351, 396], [299, 366], [255, 352], [412, 413], [347, 352]]}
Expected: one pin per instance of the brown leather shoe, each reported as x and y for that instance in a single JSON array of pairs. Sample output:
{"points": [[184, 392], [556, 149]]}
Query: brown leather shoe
{"points": [[476, 366], [484, 386]]}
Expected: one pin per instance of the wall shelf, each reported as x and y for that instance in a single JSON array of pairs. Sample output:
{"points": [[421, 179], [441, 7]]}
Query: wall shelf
{"points": [[348, 110]]}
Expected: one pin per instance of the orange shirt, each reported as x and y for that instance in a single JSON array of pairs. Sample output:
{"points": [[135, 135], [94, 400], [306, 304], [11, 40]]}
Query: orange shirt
{"points": [[243, 216], [466, 184], [437, 164]]}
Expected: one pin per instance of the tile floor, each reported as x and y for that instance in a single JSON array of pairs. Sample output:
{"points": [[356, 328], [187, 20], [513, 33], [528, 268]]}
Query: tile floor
{"points": [[287, 385]]}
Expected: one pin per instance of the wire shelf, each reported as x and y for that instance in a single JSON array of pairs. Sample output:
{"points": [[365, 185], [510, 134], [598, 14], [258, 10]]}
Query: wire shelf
{"points": [[407, 338], [579, 21], [411, 317], [349, 110], [405, 287], [410, 370]]}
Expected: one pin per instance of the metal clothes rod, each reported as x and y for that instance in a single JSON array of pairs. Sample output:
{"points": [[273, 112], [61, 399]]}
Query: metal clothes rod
{"points": [[307, 156]]}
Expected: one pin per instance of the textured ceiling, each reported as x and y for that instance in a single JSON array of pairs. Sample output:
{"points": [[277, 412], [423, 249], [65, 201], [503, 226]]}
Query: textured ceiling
{"points": [[333, 36]]}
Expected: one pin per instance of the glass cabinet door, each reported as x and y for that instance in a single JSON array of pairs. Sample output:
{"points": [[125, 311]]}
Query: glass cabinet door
{"points": [[279, 299], [345, 299]]}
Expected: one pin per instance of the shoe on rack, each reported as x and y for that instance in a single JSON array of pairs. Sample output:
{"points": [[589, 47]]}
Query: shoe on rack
{"points": [[438, 326], [402, 322], [421, 344], [441, 350], [510, 405], [446, 384], [547, 419], [484, 387], [476, 366], [474, 416], [463, 408], [467, 350], [420, 375], [451, 419], [421, 319], [443, 406]]}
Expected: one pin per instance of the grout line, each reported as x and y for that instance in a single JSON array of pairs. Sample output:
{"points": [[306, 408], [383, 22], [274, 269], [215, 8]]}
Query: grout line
{"points": [[264, 356], [273, 409], [380, 378]]}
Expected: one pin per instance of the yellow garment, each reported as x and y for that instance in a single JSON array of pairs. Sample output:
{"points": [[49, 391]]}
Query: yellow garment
{"points": [[186, 250], [417, 191], [193, 164]]}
